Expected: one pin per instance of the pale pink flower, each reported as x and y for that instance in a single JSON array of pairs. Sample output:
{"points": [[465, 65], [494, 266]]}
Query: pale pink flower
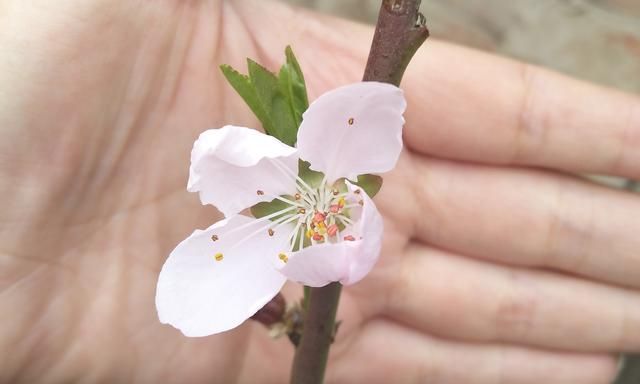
{"points": [[219, 277]]}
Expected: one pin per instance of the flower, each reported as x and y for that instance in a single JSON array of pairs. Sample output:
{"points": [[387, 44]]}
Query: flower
{"points": [[324, 232]]}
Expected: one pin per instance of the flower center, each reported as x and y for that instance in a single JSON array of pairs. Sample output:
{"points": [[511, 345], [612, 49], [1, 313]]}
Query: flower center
{"points": [[320, 215], [324, 214]]}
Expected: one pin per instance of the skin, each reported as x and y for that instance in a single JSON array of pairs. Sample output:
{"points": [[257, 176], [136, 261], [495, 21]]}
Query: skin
{"points": [[499, 266]]}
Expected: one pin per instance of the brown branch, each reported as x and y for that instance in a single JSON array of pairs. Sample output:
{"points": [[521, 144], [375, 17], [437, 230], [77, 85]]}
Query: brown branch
{"points": [[311, 355], [400, 31]]}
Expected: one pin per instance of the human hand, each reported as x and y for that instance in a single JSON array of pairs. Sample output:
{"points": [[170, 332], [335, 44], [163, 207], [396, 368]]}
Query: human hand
{"points": [[498, 266]]}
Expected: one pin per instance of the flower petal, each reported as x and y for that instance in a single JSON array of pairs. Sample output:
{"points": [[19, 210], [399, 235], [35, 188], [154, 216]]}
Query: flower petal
{"points": [[353, 130], [234, 168], [346, 261], [202, 294]]}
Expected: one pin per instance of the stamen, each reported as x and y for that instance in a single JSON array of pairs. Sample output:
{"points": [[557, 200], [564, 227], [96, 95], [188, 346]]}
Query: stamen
{"points": [[260, 220], [270, 232], [283, 257], [297, 196], [335, 191], [214, 237], [288, 172], [260, 192], [318, 217], [302, 211], [290, 202], [218, 256], [292, 237], [357, 191], [350, 121], [280, 221]]}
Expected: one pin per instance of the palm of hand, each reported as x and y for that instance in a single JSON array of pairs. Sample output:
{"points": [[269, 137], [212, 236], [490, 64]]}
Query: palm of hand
{"points": [[111, 204]]}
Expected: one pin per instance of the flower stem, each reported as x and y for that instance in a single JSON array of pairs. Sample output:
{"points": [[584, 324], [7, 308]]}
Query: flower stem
{"points": [[400, 31], [311, 356]]}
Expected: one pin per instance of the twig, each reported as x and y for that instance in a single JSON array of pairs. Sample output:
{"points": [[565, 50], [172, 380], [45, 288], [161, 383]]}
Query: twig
{"points": [[400, 31], [311, 356]]}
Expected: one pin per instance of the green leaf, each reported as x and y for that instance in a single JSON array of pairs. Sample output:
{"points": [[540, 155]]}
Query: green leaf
{"points": [[311, 177], [277, 101], [293, 86], [370, 183], [268, 90], [242, 84], [268, 207]]}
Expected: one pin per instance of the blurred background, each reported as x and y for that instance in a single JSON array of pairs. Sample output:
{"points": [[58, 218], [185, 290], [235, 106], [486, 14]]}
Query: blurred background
{"points": [[596, 40]]}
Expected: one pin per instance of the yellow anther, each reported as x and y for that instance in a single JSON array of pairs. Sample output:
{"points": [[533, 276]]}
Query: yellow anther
{"points": [[302, 211], [341, 202], [322, 230], [218, 256], [321, 225], [283, 257], [214, 237], [309, 233]]}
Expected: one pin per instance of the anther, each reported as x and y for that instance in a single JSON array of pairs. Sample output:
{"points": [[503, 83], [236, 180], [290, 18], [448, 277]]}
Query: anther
{"points": [[350, 121], [361, 202], [270, 232], [319, 217], [260, 192], [283, 257], [357, 191], [214, 237], [341, 202], [302, 211], [349, 238], [218, 256], [297, 196], [335, 192]]}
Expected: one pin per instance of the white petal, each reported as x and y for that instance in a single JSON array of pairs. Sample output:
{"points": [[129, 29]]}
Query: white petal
{"points": [[353, 130], [202, 296], [347, 261], [371, 229], [234, 168]]}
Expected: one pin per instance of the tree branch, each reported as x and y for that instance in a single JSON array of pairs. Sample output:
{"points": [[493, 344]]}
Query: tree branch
{"points": [[400, 31], [311, 355]]}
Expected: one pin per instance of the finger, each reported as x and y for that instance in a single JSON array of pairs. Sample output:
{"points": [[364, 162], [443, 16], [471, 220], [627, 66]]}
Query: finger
{"points": [[469, 105], [457, 297], [386, 352], [524, 217]]}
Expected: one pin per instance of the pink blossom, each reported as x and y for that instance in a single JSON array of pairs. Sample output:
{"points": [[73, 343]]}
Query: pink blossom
{"points": [[218, 277]]}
